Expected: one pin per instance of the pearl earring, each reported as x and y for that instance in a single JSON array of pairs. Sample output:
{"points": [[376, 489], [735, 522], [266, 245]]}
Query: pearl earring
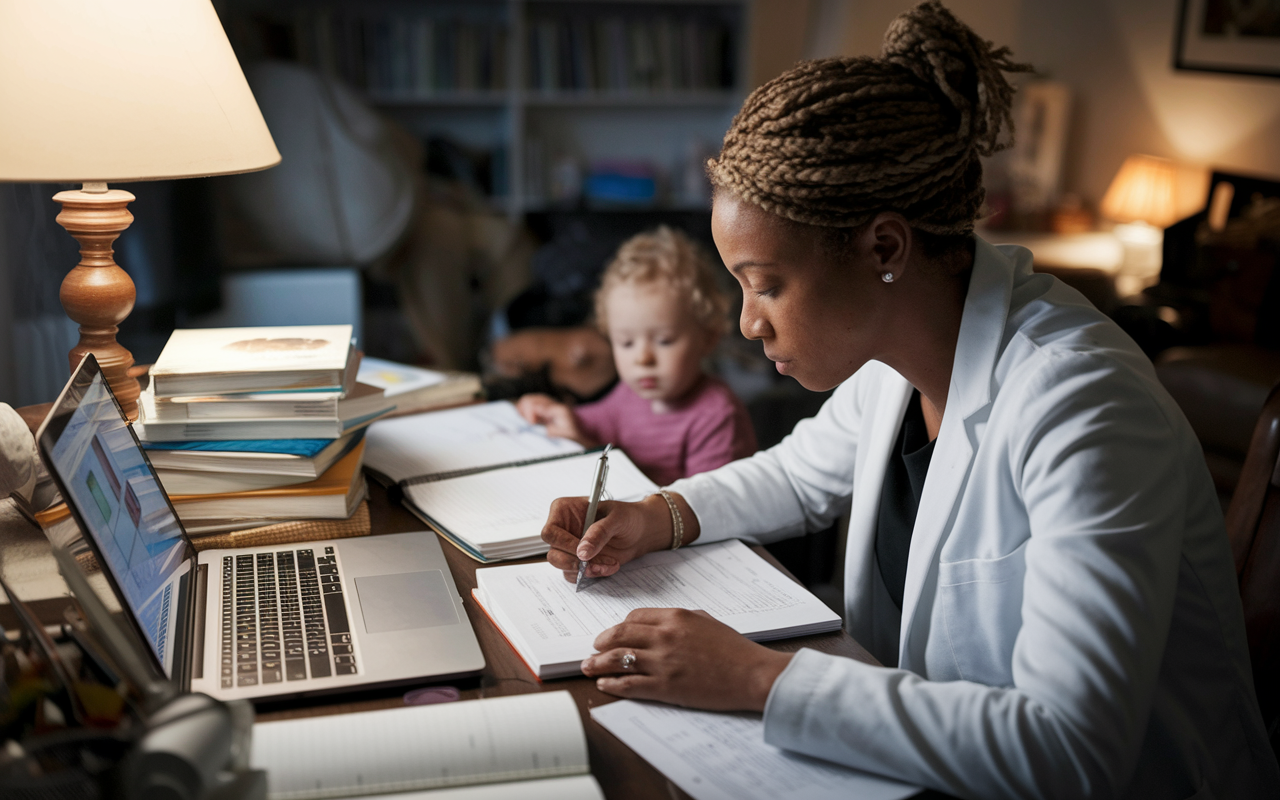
{"points": [[888, 277]]}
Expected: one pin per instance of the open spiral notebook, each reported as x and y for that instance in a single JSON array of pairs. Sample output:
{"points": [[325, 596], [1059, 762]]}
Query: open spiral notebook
{"points": [[484, 478]]}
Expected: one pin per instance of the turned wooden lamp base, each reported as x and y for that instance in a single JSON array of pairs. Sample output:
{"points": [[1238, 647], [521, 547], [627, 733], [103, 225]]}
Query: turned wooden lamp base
{"points": [[97, 293]]}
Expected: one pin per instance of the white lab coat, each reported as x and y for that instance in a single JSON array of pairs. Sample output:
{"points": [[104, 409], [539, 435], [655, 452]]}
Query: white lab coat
{"points": [[1071, 625]]}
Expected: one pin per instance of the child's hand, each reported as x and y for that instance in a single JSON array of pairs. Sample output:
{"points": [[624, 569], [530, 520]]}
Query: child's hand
{"points": [[558, 418]]}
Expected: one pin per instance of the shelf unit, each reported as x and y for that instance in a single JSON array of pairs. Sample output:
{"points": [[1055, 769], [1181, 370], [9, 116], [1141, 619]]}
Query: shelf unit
{"points": [[548, 82]]}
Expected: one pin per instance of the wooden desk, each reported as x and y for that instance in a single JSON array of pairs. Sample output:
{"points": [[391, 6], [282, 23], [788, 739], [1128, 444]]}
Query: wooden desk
{"points": [[621, 773]]}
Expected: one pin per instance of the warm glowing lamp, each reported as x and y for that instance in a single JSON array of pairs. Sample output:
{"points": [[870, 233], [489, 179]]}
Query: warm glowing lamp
{"points": [[1140, 201], [127, 90]]}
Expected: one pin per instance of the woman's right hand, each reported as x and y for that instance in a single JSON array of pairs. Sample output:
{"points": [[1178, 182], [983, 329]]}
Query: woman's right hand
{"points": [[558, 418], [621, 532]]}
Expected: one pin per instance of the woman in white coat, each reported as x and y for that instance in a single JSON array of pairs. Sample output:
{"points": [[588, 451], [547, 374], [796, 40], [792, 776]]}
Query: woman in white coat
{"points": [[1035, 549]]}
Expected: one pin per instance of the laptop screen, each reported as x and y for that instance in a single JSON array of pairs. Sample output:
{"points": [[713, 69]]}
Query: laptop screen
{"points": [[122, 506]]}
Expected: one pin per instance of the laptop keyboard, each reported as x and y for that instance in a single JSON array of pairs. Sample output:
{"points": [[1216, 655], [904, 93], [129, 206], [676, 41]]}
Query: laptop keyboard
{"points": [[284, 618]]}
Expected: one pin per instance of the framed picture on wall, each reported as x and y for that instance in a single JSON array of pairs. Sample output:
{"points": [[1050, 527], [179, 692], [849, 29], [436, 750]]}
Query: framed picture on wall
{"points": [[1236, 36], [1041, 114]]}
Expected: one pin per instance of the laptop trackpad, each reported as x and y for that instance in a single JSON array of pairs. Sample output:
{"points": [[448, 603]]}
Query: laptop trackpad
{"points": [[405, 601]]}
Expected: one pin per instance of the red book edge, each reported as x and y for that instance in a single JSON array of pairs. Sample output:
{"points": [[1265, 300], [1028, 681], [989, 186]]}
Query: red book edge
{"points": [[475, 595]]}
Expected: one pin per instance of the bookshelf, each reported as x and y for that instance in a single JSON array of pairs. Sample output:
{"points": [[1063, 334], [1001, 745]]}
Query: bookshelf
{"points": [[551, 92]]}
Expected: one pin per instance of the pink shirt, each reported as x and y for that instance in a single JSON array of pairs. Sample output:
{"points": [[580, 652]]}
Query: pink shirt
{"points": [[707, 429]]}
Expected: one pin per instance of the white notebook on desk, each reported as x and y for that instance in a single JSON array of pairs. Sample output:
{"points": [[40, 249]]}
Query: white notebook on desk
{"points": [[485, 479], [553, 628], [528, 746], [471, 437], [498, 514]]}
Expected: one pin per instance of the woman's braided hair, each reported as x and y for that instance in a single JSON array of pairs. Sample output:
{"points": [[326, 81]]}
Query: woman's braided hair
{"points": [[835, 141]]}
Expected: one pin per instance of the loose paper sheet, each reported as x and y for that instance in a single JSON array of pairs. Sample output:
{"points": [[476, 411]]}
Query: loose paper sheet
{"points": [[396, 378], [716, 756]]}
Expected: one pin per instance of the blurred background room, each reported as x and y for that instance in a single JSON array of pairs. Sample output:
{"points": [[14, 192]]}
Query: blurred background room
{"points": [[456, 175]]}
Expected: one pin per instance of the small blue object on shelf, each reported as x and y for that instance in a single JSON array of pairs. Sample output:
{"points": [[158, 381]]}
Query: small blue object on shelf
{"points": [[622, 184]]}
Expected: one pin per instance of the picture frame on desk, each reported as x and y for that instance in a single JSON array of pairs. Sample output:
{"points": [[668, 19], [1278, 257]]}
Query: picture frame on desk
{"points": [[1216, 36]]}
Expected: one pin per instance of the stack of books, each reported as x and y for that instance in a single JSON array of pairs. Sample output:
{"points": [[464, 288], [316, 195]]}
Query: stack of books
{"points": [[261, 428]]}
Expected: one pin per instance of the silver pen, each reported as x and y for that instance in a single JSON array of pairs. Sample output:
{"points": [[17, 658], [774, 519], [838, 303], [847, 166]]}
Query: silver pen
{"points": [[597, 489]]}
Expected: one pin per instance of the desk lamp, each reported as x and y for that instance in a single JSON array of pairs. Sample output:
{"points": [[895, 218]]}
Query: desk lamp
{"points": [[1140, 201], [98, 92]]}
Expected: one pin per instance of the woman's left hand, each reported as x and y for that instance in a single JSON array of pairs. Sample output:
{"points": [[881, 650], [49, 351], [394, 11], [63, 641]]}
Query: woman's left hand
{"points": [[686, 658]]}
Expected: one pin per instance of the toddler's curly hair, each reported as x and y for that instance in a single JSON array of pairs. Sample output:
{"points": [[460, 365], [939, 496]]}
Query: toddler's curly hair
{"points": [[667, 256]]}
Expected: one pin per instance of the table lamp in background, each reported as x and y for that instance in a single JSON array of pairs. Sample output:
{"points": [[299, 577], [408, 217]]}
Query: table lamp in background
{"points": [[127, 90], [1140, 201]]}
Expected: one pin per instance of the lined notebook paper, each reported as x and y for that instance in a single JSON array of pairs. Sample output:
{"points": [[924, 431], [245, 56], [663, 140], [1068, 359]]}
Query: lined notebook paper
{"points": [[500, 513], [524, 737], [461, 438]]}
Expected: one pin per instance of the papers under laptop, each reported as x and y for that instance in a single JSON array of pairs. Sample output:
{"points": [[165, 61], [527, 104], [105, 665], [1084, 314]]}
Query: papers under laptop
{"points": [[273, 621]]}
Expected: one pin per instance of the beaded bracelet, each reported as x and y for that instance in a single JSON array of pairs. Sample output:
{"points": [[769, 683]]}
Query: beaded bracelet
{"points": [[677, 520]]}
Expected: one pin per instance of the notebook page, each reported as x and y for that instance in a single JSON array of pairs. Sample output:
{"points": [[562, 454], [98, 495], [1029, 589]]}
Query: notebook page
{"points": [[458, 438], [578, 787], [539, 608], [511, 504], [422, 747], [715, 756]]}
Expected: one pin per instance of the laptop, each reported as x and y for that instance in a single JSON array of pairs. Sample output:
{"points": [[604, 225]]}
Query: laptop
{"points": [[273, 622]]}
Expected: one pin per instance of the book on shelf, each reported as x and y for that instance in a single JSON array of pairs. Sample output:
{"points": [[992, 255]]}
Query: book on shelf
{"points": [[334, 495], [612, 53], [404, 54], [553, 628], [303, 458], [530, 746], [293, 358], [484, 478], [414, 389], [159, 421]]}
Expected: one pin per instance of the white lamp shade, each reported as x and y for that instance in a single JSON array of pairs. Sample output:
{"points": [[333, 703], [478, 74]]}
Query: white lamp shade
{"points": [[1142, 191], [125, 90]]}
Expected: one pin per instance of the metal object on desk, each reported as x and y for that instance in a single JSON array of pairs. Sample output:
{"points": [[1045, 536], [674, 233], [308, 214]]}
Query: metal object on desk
{"points": [[597, 489]]}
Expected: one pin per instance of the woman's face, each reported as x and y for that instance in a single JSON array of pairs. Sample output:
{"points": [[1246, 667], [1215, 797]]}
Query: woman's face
{"points": [[819, 315]]}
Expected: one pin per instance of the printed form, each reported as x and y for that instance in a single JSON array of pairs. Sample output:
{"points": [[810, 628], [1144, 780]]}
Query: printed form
{"points": [[555, 626], [715, 756]]}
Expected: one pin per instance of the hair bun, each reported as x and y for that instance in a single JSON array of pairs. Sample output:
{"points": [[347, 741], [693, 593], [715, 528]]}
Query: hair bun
{"points": [[942, 51]]}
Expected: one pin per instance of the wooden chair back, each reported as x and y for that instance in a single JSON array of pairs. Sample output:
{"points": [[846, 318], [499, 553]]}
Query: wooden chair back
{"points": [[1253, 526]]}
